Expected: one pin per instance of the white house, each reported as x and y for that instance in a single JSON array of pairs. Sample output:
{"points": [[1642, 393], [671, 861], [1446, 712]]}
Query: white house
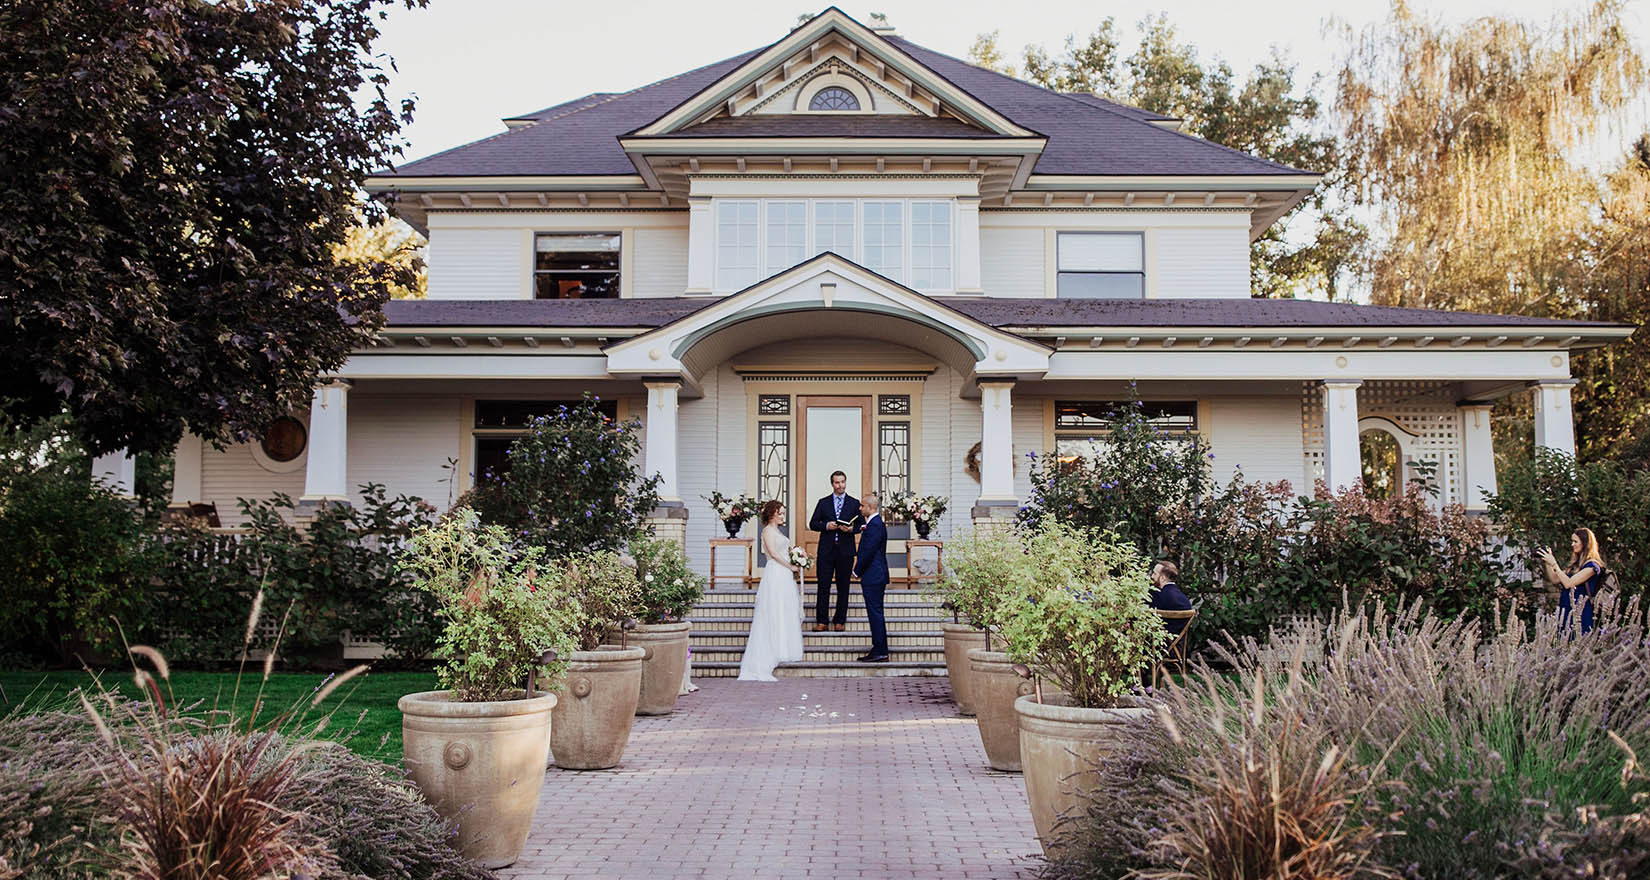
{"points": [[846, 251]]}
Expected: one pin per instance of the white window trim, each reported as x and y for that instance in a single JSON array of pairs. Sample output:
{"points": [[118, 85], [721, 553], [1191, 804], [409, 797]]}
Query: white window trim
{"points": [[810, 236], [1145, 263]]}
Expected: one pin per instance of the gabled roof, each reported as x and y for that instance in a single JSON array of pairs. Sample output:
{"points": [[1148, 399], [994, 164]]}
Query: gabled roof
{"points": [[1086, 135]]}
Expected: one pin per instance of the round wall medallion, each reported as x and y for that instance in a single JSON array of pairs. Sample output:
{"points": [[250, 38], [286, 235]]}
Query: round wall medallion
{"points": [[1340, 361], [457, 755], [1557, 361], [284, 440]]}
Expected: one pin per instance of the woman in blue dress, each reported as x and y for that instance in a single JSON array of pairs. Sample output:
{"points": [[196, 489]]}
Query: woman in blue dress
{"points": [[1578, 584]]}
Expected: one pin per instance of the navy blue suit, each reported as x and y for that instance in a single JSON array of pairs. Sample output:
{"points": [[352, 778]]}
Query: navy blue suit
{"points": [[836, 557], [1170, 598], [872, 567]]}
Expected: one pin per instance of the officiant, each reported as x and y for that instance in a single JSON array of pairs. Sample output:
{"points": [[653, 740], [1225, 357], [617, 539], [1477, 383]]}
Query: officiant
{"points": [[836, 518]]}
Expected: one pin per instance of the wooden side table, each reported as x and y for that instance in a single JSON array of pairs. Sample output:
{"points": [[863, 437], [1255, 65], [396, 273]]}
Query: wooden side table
{"points": [[747, 547], [913, 547]]}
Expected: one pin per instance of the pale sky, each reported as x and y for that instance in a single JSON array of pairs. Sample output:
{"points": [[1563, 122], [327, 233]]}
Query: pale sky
{"points": [[472, 62]]}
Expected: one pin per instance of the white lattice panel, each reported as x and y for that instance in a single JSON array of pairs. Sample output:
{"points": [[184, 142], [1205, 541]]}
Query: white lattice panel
{"points": [[1426, 410]]}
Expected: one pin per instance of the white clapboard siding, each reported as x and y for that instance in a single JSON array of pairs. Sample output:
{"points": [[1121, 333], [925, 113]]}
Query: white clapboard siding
{"points": [[1261, 435], [730, 450], [966, 430], [659, 261], [938, 459], [1012, 262], [402, 442], [1028, 437], [1200, 263], [233, 473], [697, 434], [477, 264]]}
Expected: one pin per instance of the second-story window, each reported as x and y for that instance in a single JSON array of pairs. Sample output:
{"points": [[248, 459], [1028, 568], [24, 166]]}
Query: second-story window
{"points": [[736, 250], [787, 235], [931, 245], [834, 228], [1101, 265], [884, 243], [576, 265]]}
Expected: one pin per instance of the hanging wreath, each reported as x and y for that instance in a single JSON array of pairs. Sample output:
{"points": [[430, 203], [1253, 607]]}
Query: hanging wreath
{"points": [[971, 462]]}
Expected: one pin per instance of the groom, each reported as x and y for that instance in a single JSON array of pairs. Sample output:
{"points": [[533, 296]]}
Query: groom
{"points": [[872, 568]]}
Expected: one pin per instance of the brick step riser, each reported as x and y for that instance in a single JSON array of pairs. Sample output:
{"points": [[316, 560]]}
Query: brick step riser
{"points": [[932, 643], [741, 596], [899, 655], [855, 612], [736, 625], [831, 670]]}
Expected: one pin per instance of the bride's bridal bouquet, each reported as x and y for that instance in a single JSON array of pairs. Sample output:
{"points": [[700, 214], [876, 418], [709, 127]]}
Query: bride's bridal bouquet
{"points": [[799, 558]]}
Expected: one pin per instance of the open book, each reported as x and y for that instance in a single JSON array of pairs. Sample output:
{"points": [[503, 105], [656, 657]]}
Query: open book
{"points": [[849, 522]]}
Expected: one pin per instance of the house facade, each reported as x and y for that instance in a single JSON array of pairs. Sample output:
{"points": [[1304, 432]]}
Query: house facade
{"points": [[844, 251]]}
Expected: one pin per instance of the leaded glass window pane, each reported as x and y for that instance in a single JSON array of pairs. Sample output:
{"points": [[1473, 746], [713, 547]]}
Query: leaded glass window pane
{"points": [[894, 405], [773, 461], [893, 457], [774, 404]]}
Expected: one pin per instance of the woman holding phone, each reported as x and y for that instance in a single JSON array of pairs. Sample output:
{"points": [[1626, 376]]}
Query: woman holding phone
{"points": [[1578, 584]]}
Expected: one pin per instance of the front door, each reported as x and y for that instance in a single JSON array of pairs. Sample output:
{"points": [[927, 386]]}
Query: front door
{"points": [[836, 436]]}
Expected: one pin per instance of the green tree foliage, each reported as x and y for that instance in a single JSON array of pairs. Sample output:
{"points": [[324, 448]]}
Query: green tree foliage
{"points": [[1542, 500], [1264, 115], [391, 243], [573, 484], [178, 175]]}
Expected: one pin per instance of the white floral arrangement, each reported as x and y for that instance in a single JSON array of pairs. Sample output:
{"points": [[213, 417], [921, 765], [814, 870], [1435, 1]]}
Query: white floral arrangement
{"points": [[799, 558], [732, 507], [926, 510], [897, 506]]}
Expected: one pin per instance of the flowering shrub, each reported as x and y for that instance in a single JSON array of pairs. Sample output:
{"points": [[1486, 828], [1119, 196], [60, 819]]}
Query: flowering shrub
{"points": [[573, 485], [736, 508], [600, 590], [668, 588], [1084, 619], [1141, 470], [501, 605], [980, 570]]}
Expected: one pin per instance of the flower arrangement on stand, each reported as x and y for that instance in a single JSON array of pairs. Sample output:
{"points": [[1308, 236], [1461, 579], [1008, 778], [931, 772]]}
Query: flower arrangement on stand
{"points": [[733, 511], [923, 512]]}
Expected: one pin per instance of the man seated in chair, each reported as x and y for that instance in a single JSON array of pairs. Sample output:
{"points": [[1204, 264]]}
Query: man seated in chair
{"points": [[1166, 595]]}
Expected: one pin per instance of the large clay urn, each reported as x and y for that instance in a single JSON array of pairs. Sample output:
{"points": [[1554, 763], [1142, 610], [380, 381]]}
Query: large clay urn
{"points": [[996, 686], [595, 706], [959, 638], [480, 765], [664, 658], [1061, 747]]}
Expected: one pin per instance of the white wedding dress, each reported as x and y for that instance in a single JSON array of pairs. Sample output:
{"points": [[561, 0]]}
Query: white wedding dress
{"points": [[776, 624]]}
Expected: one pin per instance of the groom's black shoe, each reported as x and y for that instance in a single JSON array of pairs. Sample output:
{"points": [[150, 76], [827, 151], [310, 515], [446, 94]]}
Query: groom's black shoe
{"points": [[874, 658]]}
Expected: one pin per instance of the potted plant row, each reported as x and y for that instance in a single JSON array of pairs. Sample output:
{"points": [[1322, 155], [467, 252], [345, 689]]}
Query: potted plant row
{"points": [[976, 572]]}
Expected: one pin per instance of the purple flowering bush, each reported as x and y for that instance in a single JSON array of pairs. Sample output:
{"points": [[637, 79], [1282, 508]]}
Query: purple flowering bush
{"points": [[573, 484]]}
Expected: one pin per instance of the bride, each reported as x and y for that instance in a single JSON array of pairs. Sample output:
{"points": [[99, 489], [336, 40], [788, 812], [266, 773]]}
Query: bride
{"points": [[776, 624]]}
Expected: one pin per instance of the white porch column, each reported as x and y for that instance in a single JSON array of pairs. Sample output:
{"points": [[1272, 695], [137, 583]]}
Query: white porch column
{"points": [[701, 245], [1554, 424], [1342, 465], [325, 477], [1477, 454], [118, 470], [659, 446], [996, 442], [186, 471], [968, 245]]}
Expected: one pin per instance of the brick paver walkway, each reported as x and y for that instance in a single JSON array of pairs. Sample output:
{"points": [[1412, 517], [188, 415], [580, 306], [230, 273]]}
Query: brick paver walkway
{"points": [[845, 777]]}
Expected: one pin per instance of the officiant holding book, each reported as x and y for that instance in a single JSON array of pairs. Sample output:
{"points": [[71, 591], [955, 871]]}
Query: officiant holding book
{"points": [[837, 519]]}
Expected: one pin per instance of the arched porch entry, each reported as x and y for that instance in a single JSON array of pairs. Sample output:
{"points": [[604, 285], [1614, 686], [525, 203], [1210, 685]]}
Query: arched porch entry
{"points": [[829, 366]]}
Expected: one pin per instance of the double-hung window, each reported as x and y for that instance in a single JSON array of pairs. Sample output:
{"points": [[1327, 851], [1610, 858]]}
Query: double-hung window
{"points": [[931, 245], [1081, 426], [787, 240], [577, 265], [834, 228], [885, 239], [1101, 265], [737, 256]]}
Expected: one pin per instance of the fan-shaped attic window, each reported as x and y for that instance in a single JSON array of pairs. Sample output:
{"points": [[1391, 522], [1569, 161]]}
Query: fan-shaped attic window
{"points": [[834, 98]]}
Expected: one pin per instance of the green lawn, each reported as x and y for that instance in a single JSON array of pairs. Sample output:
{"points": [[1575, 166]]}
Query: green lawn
{"points": [[376, 735]]}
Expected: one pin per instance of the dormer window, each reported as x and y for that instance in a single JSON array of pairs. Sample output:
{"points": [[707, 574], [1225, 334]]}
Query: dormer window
{"points": [[834, 98]]}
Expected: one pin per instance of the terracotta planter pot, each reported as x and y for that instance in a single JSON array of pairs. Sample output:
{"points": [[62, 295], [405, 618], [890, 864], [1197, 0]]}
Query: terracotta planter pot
{"points": [[1060, 746], [996, 687], [959, 638], [595, 706], [480, 765], [665, 647]]}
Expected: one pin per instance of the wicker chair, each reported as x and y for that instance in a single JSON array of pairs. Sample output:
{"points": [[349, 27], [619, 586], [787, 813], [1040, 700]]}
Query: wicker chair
{"points": [[1176, 651]]}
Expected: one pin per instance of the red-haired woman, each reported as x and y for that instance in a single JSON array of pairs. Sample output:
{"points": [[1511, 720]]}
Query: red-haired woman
{"points": [[1578, 584], [776, 623]]}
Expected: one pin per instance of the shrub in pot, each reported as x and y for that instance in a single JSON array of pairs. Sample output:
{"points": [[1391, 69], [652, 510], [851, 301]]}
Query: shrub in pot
{"points": [[597, 699], [669, 589], [990, 567], [1085, 624], [477, 749], [977, 569]]}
